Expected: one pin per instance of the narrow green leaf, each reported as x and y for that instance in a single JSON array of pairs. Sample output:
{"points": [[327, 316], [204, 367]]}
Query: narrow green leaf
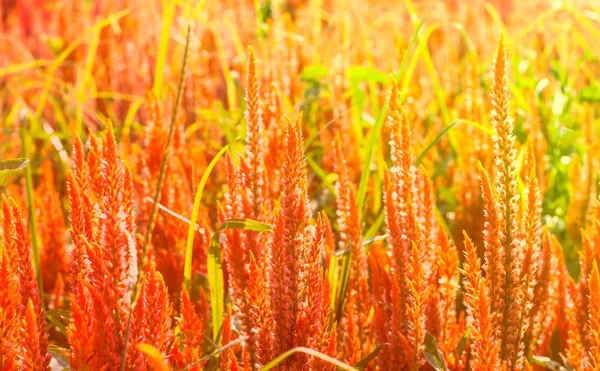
{"points": [[590, 93], [333, 282], [462, 344], [445, 130], [548, 363], [163, 45], [60, 358], [310, 352], [215, 268], [9, 167], [314, 72], [362, 73], [369, 241], [362, 364], [408, 50], [432, 353], [187, 268], [345, 280], [59, 318], [35, 244], [364, 177]]}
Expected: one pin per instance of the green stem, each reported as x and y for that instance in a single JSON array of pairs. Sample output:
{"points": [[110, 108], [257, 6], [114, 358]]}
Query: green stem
{"points": [[31, 206]]}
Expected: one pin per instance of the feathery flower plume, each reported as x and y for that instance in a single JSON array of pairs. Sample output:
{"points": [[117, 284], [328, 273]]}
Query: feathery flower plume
{"points": [[247, 198], [539, 333], [104, 254], [508, 209], [151, 323], [484, 346], [296, 283], [395, 217], [33, 357], [10, 303], [187, 348], [260, 315], [575, 351], [445, 290], [52, 230], [493, 251], [418, 293], [594, 320], [411, 228], [532, 225], [349, 226], [289, 240], [36, 343], [254, 138], [228, 360]]}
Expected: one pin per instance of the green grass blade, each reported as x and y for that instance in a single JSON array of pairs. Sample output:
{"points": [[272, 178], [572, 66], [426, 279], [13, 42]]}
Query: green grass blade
{"points": [[445, 130], [310, 352], [407, 54], [35, 246], [215, 268], [363, 363], [65, 53], [187, 269], [345, 281], [433, 355], [364, 177], [9, 167], [163, 168], [163, 46]]}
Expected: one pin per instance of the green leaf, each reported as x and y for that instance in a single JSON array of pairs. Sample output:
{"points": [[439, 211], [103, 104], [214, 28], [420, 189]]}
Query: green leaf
{"points": [[462, 344], [58, 354], [9, 167], [310, 352], [549, 364], [313, 72], [187, 268], [345, 280], [364, 176], [59, 318], [445, 130], [590, 93], [215, 268], [432, 353], [362, 73], [368, 241], [362, 364]]}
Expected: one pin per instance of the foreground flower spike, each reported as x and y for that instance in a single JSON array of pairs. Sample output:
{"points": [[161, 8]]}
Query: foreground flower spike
{"points": [[594, 320], [349, 225], [186, 349], [413, 237], [52, 229], [33, 357], [10, 304], [484, 347], [532, 224], [255, 134], [18, 248], [104, 263], [151, 322], [295, 260], [246, 197], [261, 333], [493, 251], [228, 361], [508, 209]]}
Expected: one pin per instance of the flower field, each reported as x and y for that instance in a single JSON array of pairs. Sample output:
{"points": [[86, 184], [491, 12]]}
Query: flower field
{"points": [[299, 185]]}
